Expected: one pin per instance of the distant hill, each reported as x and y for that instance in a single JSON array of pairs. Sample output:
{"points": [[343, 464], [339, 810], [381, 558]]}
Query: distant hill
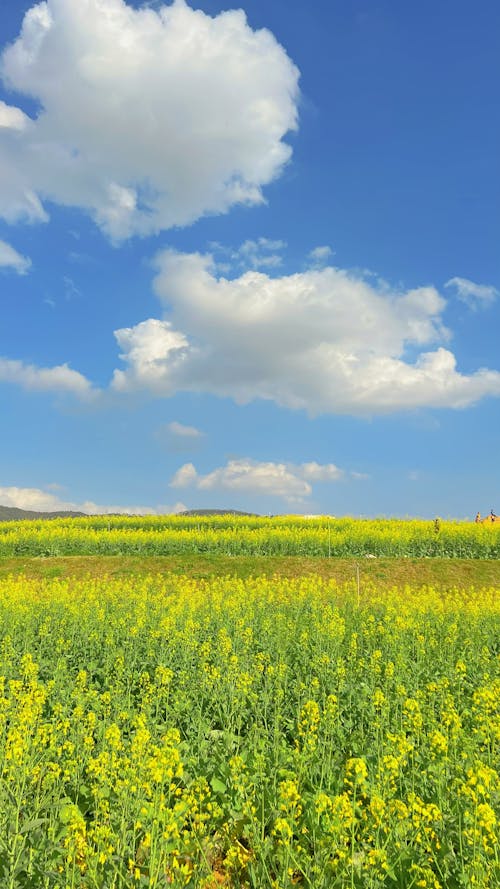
{"points": [[201, 512], [12, 514]]}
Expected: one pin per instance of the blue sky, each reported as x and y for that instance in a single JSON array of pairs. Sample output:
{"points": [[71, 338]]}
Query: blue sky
{"points": [[250, 268]]}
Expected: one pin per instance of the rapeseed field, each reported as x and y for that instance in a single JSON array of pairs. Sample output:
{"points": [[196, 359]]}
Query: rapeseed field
{"points": [[247, 535], [160, 731]]}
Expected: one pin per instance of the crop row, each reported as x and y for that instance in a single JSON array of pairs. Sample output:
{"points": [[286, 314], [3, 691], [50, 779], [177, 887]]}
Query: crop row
{"points": [[170, 535]]}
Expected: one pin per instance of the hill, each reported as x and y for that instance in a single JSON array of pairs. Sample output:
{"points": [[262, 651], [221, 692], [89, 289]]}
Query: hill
{"points": [[13, 514]]}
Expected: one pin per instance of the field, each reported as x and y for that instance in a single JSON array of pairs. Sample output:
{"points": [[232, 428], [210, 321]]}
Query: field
{"points": [[252, 536], [188, 716]]}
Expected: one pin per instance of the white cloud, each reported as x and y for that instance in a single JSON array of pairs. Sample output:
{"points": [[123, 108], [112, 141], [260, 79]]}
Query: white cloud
{"points": [[148, 119], [92, 508], [474, 295], [18, 200], [31, 498], [262, 253], [325, 340], [272, 479], [10, 258], [149, 348], [184, 477], [70, 289], [288, 481], [315, 472], [178, 437], [45, 379], [38, 500], [320, 254], [183, 431], [12, 118]]}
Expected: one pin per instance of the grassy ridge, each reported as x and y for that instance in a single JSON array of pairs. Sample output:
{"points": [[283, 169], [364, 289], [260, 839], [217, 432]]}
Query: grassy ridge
{"points": [[439, 573]]}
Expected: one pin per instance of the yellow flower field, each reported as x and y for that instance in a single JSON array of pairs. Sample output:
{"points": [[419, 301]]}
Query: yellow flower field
{"points": [[249, 535], [162, 732]]}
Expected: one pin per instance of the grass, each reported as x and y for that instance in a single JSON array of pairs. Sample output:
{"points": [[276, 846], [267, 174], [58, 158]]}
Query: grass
{"points": [[441, 573]]}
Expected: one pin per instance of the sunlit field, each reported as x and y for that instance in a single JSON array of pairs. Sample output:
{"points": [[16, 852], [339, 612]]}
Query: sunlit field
{"points": [[162, 731], [242, 535]]}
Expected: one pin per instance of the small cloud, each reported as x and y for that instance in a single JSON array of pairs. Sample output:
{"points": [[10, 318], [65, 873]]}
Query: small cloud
{"points": [[11, 259], [359, 476], [320, 254], [178, 437], [474, 295], [81, 258], [316, 472], [262, 253], [414, 475], [184, 431], [258, 254], [70, 289], [45, 379]]}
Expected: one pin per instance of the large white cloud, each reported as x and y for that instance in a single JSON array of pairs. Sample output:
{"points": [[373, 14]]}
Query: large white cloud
{"points": [[59, 379], [325, 340], [38, 500], [148, 119], [288, 481], [11, 259]]}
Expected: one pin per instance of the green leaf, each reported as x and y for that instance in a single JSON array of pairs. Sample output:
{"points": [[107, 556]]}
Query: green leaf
{"points": [[218, 786], [32, 825]]}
